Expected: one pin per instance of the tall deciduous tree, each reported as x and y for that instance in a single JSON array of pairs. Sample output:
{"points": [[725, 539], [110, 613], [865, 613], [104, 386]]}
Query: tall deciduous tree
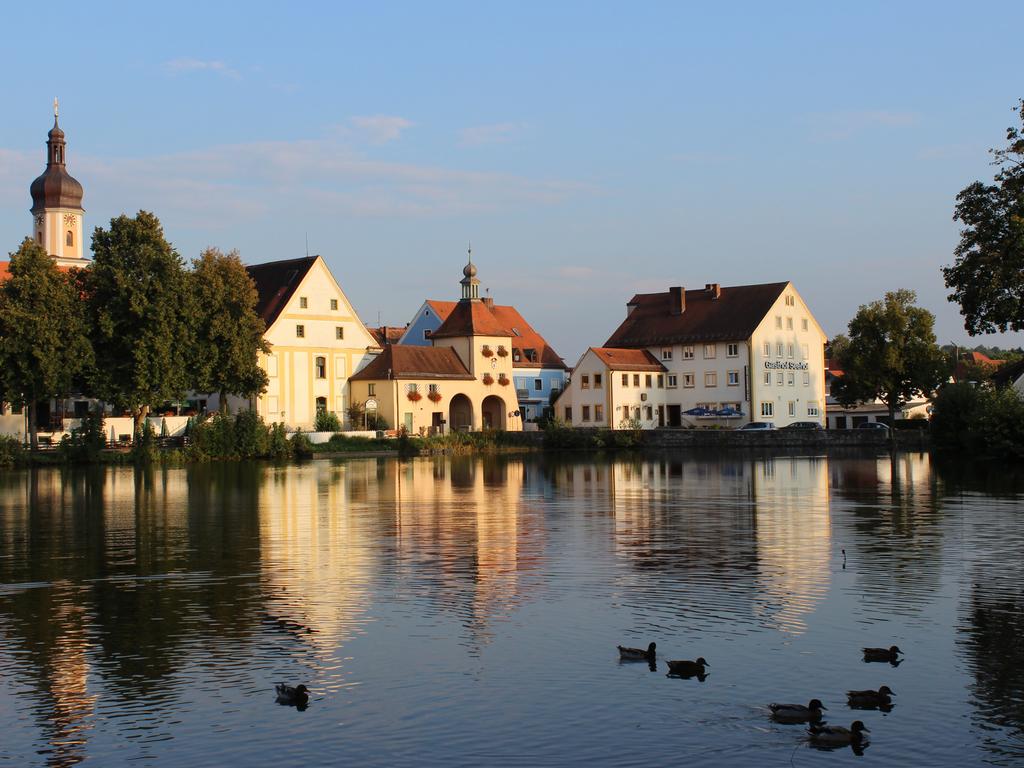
{"points": [[228, 332], [140, 312], [987, 277], [889, 355], [43, 341]]}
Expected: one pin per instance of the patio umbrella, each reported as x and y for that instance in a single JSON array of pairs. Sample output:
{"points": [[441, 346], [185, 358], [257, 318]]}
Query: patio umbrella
{"points": [[700, 410], [728, 411]]}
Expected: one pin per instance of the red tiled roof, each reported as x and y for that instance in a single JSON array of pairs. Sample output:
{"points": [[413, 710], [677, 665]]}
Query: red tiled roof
{"points": [[5, 270], [471, 318], [525, 338], [276, 282], [405, 361], [442, 308], [732, 316], [628, 359], [980, 358], [386, 334]]}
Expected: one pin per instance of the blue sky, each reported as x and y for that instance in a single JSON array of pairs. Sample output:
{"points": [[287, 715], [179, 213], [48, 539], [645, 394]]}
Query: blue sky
{"points": [[589, 151]]}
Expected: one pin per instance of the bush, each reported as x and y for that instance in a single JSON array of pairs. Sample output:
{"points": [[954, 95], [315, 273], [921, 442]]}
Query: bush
{"points": [[84, 444], [560, 436], [12, 452], [327, 421], [144, 448], [244, 436], [252, 436], [955, 415], [979, 423], [279, 446], [301, 447]]}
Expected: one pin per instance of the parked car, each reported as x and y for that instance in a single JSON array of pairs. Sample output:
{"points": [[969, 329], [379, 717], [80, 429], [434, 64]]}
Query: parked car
{"points": [[875, 425], [759, 426], [810, 425]]}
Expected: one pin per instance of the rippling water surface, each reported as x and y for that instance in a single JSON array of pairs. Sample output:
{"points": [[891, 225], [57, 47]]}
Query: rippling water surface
{"points": [[466, 611]]}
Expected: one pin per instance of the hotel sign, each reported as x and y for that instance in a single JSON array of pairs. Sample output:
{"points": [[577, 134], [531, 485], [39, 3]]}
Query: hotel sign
{"points": [[784, 365]]}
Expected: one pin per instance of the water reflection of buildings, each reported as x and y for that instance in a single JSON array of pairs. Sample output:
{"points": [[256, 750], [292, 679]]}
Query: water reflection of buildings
{"points": [[740, 539]]}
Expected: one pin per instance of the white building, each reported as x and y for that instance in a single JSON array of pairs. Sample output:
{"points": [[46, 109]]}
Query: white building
{"points": [[755, 350]]}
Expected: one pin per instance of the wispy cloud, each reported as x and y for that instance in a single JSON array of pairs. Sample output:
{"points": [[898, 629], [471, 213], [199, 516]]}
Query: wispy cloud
{"points": [[380, 129], [837, 126], [188, 65], [497, 133]]}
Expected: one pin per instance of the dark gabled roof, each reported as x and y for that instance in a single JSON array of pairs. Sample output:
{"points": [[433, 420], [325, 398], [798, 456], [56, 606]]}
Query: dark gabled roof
{"points": [[406, 361], [276, 282], [471, 318], [628, 359], [525, 339], [387, 334], [733, 315]]}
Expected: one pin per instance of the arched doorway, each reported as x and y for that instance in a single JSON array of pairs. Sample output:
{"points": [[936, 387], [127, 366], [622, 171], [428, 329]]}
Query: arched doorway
{"points": [[493, 412], [460, 414]]}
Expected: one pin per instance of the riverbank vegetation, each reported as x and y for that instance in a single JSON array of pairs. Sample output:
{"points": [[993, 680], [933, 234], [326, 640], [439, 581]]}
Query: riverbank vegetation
{"points": [[978, 422]]}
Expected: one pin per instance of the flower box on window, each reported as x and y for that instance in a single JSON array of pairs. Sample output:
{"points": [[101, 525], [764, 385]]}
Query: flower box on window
{"points": [[502, 352], [435, 397], [414, 396], [487, 379], [504, 380], [486, 351]]}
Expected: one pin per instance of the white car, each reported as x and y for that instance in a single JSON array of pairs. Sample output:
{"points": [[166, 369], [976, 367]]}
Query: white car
{"points": [[758, 426]]}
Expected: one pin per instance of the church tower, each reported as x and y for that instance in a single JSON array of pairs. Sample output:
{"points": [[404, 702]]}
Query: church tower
{"points": [[57, 204]]}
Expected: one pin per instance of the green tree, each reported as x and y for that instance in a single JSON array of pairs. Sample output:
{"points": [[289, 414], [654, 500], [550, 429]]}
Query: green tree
{"points": [[889, 355], [140, 314], [228, 332], [43, 343], [987, 276]]}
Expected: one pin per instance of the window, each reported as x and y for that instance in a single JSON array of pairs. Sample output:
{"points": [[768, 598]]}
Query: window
{"points": [[334, 304], [709, 351], [767, 349], [636, 379], [688, 352], [780, 349], [598, 413], [792, 408], [661, 381], [767, 378], [767, 408], [790, 301], [789, 323], [733, 378], [303, 302], [687, 379], [371, 389], [339, 332], [300, 331], [666, 353], [648, 381], [321, 367], [597, 381], [625, 379], [789, 378], [710, 379], [648, 412], [732, 350], [568, 414], [410, 388], [636, 413], [69, 241], [803, 324], [789, 351], [812, 409], [432, 389], [804, 352], [321, 405], [586, 413], [585, 381], [39, 237], [778, 378], [807, 378], [673, 382], [778, 322], [538, 385]]}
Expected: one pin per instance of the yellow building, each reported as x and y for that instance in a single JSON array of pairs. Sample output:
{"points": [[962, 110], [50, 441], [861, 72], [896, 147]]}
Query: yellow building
{"points": [[316, 341], [463, 382]]}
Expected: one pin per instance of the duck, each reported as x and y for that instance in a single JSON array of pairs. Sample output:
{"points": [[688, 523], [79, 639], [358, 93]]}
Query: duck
{"points": [[637, 654], [836, 735], [688, 668], [293, 696], [798, 712], [869, 698], [882, 654]]}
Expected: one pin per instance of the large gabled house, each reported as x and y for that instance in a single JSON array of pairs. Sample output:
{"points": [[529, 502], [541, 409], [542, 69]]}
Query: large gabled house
{"points": [[727, 354]]}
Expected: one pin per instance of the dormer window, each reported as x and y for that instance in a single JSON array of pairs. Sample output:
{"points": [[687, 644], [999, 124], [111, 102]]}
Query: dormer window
{"points": [[334, 304]]}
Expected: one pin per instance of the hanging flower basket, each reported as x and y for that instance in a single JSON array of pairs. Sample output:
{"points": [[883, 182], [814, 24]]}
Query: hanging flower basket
{"points": [[503, 380], [487, 379], [415, 396], [486, 352], [502, 352], [434, 397]]}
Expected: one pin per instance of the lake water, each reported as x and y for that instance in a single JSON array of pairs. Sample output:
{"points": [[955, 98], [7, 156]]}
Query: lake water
{"points": [[466, 611]]}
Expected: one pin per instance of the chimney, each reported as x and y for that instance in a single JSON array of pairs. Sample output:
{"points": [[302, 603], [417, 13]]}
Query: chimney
{"points": [[714, 289], [676, 300], [489, 302]]}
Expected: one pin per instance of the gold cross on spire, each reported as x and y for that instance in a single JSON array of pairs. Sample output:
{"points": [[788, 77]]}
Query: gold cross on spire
{"points": [[56, 107]]}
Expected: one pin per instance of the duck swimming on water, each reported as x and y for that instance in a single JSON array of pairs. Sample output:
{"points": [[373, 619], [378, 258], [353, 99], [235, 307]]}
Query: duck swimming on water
{"points": [[870, 699], [798, 713], [837, 736], [688, 668], [637, 654], [883, 654], [297, 696]]}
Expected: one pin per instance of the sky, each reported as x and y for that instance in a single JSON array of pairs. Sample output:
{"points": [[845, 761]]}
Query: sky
{"points": [[588, 151]]}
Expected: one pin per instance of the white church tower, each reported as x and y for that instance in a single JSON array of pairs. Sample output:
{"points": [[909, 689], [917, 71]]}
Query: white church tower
{"points": [[57, 211]]}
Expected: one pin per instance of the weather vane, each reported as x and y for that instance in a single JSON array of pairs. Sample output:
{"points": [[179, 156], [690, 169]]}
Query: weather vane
{"points": [[56, 107]]}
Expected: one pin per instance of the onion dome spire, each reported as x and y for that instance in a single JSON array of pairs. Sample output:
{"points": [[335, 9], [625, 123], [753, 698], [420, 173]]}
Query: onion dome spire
{"points": [[55, 188], [470, 284]]}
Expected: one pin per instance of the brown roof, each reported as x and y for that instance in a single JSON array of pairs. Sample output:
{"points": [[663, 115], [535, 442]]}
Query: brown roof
{"points": [[471, 318], [442, 308], [386, 334], [735, 314], [405, 361], [525, 340], [628, 359], [276, 282]]}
